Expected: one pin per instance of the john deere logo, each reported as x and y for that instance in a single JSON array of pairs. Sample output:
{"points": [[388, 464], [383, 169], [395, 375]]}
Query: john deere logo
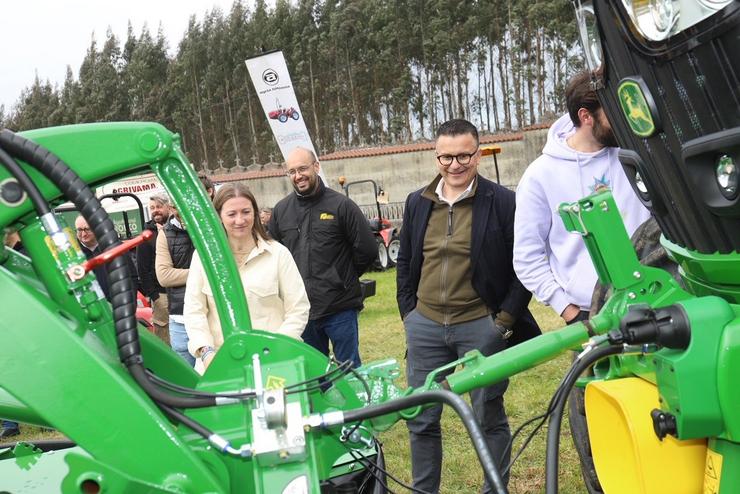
{"points": [[638, 111], [326, 216]]}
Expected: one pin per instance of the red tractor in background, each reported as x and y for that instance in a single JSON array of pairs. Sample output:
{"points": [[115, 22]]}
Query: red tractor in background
{"points": [[386, 234], [283, 114]]}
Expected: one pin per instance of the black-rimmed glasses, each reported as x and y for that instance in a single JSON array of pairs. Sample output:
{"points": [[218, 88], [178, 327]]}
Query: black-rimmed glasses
{"points": [[303, 169], [462, 158]]}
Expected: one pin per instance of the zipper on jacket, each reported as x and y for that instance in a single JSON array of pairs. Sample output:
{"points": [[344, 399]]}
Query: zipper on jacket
{"points": [[445, 267]]}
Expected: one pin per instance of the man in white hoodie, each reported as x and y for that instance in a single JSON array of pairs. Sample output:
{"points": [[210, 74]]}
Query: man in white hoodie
{"points": [[579, 158]]}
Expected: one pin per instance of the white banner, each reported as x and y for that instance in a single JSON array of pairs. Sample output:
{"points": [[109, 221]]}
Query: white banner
{"points": [[272, 83]]}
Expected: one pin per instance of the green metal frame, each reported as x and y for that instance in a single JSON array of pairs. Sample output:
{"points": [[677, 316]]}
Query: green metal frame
{"points": [[66, 373]]}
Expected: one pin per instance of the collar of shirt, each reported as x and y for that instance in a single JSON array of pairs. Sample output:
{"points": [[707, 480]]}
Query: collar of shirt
{"points": [[462, 196]]}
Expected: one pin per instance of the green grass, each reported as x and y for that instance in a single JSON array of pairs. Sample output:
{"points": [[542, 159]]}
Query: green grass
{"points": [[382, 336]]}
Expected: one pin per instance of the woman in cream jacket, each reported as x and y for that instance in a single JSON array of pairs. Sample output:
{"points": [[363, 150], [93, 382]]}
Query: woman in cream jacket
{"points": [[274, 288]]}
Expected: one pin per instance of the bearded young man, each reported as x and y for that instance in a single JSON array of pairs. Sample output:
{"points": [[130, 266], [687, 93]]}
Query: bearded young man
{"points": [[332, 244], [159, 212], [578, 159]]}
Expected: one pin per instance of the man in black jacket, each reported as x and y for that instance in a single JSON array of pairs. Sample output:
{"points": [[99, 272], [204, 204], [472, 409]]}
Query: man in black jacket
{"points": [[332, 244], [457, 291], [91, 248], [159, 211]]}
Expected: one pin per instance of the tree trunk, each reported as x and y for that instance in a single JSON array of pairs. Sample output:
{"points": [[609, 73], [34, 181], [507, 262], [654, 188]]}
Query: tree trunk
{"points": [[355, 109], [503, 70], [230, 123], [313, 104], [199, 112], [493, 90], [255, 149]]}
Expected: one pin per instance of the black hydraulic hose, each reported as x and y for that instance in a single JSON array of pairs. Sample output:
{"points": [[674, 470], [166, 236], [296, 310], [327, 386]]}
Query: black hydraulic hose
{"points": [[490, 469], [187, 421], [25, 182], [556, 418], [122, 293]]}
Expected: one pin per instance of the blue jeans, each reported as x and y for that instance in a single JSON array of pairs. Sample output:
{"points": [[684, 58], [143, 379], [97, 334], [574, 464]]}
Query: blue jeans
{"points": [[431, 345], [9, 425], [179, 342], [341, 329]]}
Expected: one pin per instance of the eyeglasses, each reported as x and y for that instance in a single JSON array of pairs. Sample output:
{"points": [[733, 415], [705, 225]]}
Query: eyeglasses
{"points": [[462, 158], [303, 169], [83, 230]]}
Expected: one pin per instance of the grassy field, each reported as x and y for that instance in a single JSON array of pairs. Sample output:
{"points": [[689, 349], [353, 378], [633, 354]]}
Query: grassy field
{"points": [[381, 336]]}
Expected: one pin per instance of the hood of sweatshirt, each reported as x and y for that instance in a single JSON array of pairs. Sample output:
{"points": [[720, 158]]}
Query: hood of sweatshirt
{"points": [[550, 261], [568, 160]]}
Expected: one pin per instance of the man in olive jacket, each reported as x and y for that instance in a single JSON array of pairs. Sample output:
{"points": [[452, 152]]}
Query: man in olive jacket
{"points": [[457, 290], [332, 245]]}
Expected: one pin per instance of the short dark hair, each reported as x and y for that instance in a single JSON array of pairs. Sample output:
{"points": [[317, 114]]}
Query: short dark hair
{"points": [[579, 93], [207, 184], [457, 127]]}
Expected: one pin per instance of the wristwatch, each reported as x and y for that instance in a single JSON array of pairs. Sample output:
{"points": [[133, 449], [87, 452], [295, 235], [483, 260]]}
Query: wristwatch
{"points": [[505, 332], [204, 351]]}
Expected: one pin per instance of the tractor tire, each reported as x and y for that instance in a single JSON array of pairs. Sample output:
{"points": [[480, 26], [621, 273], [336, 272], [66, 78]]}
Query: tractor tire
{"points": [[646, 241], [579, 433], [381, 262], [283, 118], [393, 246], [294, 115]]}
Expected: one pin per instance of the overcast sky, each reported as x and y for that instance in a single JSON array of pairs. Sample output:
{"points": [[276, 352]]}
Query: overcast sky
{"points": [[45, 36]]}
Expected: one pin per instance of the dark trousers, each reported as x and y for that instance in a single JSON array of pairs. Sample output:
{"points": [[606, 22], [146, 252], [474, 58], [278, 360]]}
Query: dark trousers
{"points": [[341, 329], [9, 425], [431, 345]]}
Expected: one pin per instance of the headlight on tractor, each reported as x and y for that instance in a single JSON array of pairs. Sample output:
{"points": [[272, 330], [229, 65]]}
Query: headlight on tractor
{"points": [[657, 20], [727, 176]]}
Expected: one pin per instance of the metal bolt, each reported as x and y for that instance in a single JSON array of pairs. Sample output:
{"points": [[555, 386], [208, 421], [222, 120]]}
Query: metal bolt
{"points": [[637, 275], [283, 454], [238, 350], [604, 206], [306, 428], [631, 295], [76, 272]]}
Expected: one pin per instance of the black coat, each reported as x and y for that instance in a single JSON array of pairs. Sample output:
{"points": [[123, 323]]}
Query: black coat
{"points": [[332, 245], [181, 250], [101, 272], [491, 255]]}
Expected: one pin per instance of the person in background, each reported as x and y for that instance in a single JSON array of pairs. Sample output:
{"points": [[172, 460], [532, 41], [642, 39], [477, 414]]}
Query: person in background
{"points": [[579, 158], [90, 247], [174, 251], [207, 184], [159, 212], [273, 286], [457, 291], [332, 244], [265, 216], [13, 241]]}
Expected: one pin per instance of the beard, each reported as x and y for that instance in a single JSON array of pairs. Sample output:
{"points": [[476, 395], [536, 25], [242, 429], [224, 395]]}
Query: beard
{"points": [[312, 186], [604, 135]]}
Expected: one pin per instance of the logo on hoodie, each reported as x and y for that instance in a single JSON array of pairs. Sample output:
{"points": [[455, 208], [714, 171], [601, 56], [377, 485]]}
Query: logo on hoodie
{"points": [[600, 183]]}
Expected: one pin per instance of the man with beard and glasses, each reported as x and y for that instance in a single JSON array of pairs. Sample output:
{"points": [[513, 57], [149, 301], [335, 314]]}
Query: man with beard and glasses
{"points": [[332, 245], [579, 158]]}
